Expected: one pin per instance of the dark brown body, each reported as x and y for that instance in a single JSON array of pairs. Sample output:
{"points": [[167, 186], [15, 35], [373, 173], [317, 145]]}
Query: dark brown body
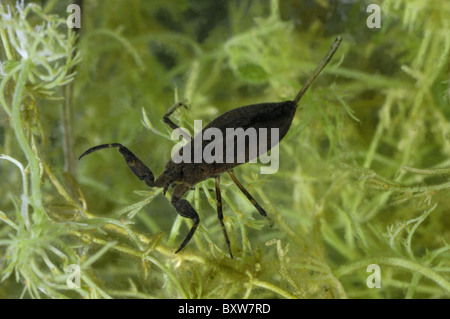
{"points": [[184, 175], [265, 115]]}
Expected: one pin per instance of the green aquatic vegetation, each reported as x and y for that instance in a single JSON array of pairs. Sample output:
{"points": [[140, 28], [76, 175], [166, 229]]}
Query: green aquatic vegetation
{"points": [[363, 175]]}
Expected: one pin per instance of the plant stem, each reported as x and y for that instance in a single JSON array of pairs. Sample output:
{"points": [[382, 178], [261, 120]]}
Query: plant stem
{"points": [[67, 129], [6, 46], [271, 287], [396, 262], [17, 125]]}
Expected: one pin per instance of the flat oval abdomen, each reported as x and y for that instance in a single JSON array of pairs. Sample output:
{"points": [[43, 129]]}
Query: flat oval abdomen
{"points": [[243, 132]]}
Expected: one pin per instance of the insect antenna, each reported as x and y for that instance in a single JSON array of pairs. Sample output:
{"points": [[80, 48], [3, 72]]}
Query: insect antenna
{"points": [[319, 68]]}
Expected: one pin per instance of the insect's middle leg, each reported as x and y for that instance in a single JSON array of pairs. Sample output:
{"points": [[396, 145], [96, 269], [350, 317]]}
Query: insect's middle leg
{"points": [[185, 209], [220, 215], [250, 197]]}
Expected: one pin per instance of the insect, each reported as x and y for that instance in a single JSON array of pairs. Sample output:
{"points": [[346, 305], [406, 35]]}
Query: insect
{"points": [[183, 176]]}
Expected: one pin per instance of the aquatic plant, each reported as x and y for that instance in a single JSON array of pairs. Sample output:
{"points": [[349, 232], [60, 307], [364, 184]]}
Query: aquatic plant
{"points": [[363, 176]]}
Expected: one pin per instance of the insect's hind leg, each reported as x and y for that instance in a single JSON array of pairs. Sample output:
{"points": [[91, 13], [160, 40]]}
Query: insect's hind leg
{"points": [[185, 209], [220, 214], [135, 164], [250, 197]]}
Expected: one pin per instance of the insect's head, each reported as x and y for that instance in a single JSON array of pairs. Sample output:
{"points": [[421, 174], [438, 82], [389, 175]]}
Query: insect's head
{"points": [[170, 175]]}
